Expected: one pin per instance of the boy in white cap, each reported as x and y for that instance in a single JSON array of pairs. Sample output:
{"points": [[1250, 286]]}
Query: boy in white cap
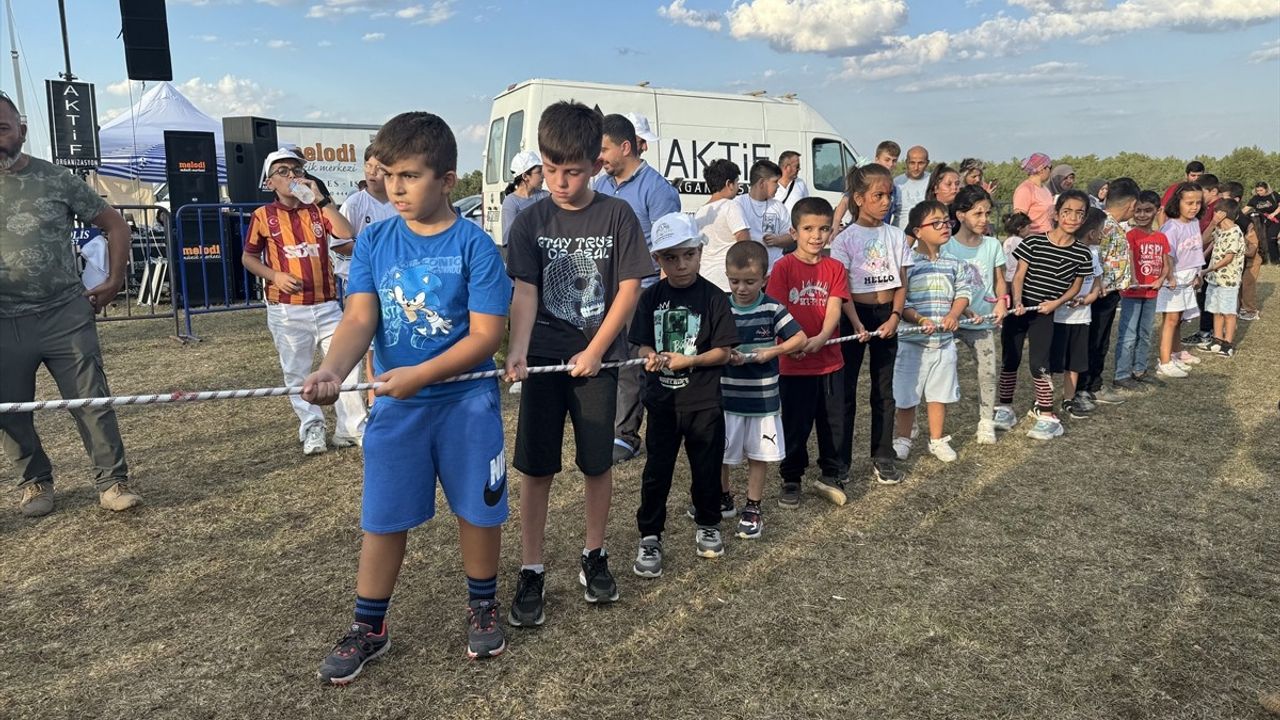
{"points": [[524, 189], [287, 245], [684, 330]]}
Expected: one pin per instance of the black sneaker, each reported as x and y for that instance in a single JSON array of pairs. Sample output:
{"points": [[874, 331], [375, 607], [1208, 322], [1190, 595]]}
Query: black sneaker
{"points": [[1196, 338], [1226, 349], [357, 647], [886, 471], [484, 633], [728, 508], [750, 522], [595, 577], [789, 497], [1075, 410], [527, 606], [831, 488]]}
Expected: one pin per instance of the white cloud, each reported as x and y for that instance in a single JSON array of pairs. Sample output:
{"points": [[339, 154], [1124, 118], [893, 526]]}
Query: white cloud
{"points": [[1064, 74], [325, 43], [337, 8], [1269, 51], [373, 36], [106, 116], [411, 12], [122, 88], [439, 11], [475, 132], [834, 27], [230, 95], [206, 38], [280, 44], [676, 12]]}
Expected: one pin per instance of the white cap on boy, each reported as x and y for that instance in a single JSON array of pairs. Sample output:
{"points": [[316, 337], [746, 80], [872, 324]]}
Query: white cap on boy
{"points": [[676, 230], [275, 157]]}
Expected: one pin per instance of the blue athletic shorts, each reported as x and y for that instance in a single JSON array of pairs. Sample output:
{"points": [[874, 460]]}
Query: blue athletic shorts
{"points": [[407, 445]]}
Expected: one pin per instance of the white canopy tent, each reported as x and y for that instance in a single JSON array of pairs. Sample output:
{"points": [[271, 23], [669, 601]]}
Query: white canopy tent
{"points": [[132, 144]]}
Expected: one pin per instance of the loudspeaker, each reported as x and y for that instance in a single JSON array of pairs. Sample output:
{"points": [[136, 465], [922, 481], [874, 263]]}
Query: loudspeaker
{"points": [[145, 27], [248, 141], [200, 238]]}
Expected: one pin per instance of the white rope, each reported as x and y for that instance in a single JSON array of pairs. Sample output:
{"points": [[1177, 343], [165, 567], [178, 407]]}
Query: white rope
{"points": [[181, 396]]}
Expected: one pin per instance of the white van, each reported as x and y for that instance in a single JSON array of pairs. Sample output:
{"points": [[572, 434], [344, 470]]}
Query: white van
{"points": [[694, 128]]}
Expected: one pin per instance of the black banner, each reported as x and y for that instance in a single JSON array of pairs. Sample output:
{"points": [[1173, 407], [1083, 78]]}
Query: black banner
{"points": [[73, 124]]}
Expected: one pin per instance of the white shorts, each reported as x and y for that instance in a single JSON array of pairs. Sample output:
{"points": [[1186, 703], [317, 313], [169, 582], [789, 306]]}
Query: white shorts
{"points": [[758, 437], [1221, 300], [1181, 299], [928, 372]]}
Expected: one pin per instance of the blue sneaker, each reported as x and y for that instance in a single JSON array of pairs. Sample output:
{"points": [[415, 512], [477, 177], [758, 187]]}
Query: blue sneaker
{"points": [[1047, 427], [1005, 418]]}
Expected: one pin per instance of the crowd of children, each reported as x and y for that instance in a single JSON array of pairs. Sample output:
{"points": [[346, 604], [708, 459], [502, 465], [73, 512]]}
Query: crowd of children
{"points": [[737, 370]]}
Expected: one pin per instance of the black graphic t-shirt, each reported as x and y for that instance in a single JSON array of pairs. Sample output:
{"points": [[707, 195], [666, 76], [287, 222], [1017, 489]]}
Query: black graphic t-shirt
{"points": [[689, 321], [576, 258]]}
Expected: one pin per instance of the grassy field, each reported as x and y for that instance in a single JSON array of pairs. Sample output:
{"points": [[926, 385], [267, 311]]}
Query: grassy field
{"points": [[1128, 570]]}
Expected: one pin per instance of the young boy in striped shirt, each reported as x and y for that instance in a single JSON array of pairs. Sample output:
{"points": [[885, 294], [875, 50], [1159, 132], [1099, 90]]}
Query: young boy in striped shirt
{"points": [[288, 246], [749, 386]]}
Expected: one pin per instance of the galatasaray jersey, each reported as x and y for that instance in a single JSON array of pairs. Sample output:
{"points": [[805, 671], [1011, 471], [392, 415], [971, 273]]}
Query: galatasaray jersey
{"points": [[294, 241]]}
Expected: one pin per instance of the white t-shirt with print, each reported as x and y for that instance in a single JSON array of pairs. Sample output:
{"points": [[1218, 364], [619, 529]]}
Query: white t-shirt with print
{"points": [[910, 193], [765, 217], [1081, 314], [874, 257], [718, 222], [361, 210]]}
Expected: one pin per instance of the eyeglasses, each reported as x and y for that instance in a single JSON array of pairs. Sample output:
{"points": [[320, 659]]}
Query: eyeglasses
{"points": [[290, 172], [936, 224]]}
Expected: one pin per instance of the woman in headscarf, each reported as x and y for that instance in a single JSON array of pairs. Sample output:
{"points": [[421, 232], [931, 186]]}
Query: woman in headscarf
{"points": [[1098, 193], [971, 173], [1062, 179], [1032, 197]]}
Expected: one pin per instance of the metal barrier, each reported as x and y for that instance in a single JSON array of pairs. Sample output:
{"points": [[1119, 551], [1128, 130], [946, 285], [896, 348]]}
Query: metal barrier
{"points": [[146, 284], [211, 278]]}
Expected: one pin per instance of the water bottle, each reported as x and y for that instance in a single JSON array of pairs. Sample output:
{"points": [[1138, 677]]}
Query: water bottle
{"points": [[305, 194]]}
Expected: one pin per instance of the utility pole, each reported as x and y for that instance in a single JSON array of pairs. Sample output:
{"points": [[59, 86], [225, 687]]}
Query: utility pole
{"points": [[66, 46], [13, 53]]}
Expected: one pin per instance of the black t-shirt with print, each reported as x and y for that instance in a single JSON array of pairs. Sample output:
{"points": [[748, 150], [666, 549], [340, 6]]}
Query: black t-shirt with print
{"points": [[1265, 205], [690, 321], [576, 259]]}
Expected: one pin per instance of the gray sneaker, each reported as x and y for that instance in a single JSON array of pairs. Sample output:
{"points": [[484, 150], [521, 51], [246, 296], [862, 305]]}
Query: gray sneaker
{"points": [[484, 632], [1128, 385], [1107, 396], [37, 499], [649, 557], [1084, 401], [789, 497], [708, 542]]}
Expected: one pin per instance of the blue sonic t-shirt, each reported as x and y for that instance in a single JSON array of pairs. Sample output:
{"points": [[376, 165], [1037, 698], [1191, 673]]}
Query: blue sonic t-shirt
{"points": [[427, 286]]}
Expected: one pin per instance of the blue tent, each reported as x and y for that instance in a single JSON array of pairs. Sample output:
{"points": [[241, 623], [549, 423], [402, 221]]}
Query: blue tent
{"points": [[132, 144]]}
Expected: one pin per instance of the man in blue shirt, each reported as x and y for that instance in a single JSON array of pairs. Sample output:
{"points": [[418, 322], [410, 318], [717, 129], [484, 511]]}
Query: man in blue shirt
{"points": [[651, 196]]}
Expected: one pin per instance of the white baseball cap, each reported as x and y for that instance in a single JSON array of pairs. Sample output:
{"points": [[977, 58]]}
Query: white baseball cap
{"points": [[275, 157], [675, 230], [525, 161], [641, 124]]}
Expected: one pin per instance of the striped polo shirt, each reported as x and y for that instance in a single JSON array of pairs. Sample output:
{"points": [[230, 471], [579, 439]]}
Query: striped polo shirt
{"points": [[1051, 269], [296, 241], [933, 286], [752, 388]]}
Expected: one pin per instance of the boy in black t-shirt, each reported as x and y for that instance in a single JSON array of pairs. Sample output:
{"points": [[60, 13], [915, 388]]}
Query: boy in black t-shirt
{"points": [[685, 330], [577, 258]]}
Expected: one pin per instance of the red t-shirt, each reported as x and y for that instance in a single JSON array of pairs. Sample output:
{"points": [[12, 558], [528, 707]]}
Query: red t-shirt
{"points": [[295, 240], [1148, 250], [804, 290]]}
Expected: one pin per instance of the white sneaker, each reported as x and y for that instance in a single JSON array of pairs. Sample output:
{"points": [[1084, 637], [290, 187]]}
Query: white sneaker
{"points": [[915, 431], [941, 449], [313, 443], [901, 447], [986, 432], [1047, 427], [1187, 358], [1180, 365], [1170, 370], [515, 388], [1005, 418]]}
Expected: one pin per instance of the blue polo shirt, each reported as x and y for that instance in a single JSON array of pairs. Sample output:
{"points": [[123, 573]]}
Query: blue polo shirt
{"points": [[647, 192]]}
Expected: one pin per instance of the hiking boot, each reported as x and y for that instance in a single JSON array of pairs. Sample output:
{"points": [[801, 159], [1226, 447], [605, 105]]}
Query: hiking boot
{"points": [[1005, 418], [348, 657], [527, 606], [118, 497], [941, 449], [649, 557], [750, 522], [1170, 370], [789, 497], [707, 541], [1047, 427], [313, 440], [886, 472], [728, 508], [902, 447], [37, 499], [831, 488], [1107, 396], [595, 577], [484, 633], [986, 434]]}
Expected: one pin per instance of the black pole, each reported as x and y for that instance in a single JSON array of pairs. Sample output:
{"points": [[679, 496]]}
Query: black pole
{"points": [[66, 45]]}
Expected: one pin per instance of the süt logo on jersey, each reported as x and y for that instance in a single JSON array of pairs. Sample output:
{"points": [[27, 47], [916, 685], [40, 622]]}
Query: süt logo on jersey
{"points": [[497, 485]]}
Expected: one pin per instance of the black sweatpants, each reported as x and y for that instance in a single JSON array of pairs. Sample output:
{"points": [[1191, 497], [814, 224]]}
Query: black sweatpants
{"points": [[702, 432], [1104, 317], [1206, 319], [1036, 330], [809, 400], [882, 406]]}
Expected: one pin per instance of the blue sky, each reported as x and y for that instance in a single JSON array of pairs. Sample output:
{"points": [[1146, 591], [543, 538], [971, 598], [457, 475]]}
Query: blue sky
{"points": [[992, 78]]}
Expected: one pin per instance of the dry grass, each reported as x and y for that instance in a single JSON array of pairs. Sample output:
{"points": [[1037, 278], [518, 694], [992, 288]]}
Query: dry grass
{"points": [[1128, 570]]}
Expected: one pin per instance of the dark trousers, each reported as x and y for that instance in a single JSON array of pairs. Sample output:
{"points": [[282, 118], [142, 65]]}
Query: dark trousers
{"points": [[1272, 232], [65, 341], [702, 432], [809, 401], [1206, 319], [629, 415], [1104, 317], [882, 408]]}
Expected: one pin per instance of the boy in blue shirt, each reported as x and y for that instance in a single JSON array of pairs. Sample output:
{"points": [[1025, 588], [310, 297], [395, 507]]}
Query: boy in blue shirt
{"points": [[431, 294]]}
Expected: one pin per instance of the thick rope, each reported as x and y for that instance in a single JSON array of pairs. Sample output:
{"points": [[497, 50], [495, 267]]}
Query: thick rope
{"points": [[180, 396]]}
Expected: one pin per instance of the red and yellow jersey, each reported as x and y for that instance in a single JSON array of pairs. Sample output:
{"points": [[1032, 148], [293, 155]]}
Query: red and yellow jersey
{"points": [[295, 241]]}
